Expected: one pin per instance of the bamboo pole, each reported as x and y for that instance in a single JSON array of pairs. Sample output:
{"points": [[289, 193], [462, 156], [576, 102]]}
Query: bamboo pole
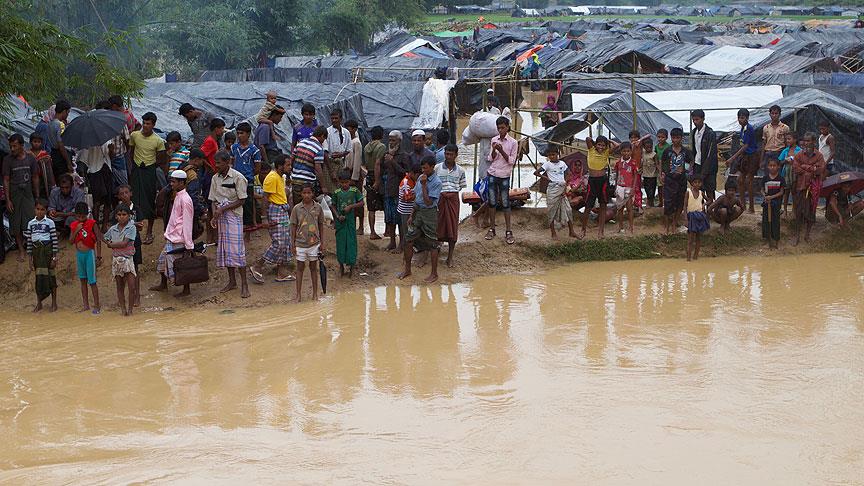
{"points": [[633, 101]]}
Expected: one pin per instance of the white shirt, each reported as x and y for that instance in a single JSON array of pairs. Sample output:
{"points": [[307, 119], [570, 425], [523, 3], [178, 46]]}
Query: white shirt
{"points": [[333, 145], [697, 150], [555, 172], [95, 158]]}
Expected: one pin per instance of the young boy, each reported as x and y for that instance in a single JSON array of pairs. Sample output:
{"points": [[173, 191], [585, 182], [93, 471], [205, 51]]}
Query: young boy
{"points": [[636, 141], [124, 197], [748, 153], [121, 239], [87, 240], [346, 199], [660, 149], [423, 223], [556, 172], [650, 163], [772, 190], [598, 181], [41, 238], [247, 159], [306, 127], [786, 157], [827, 145], [625, 186], [675, 158], [279, 216], [406, 203], [697, 219], [727, 207], [43, 159], [501, 159], [307, 238]]}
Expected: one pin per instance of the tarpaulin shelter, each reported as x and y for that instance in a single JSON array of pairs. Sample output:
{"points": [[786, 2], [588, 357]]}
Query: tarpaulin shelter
{"points": [[730, 60], [617, 116], [804, 110]]}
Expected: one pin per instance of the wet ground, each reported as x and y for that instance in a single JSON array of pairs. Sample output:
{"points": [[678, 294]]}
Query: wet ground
{"points": [[727, 370]]}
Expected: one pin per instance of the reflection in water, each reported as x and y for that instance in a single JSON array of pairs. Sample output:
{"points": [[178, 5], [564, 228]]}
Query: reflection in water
{"points": [[619, 372]]}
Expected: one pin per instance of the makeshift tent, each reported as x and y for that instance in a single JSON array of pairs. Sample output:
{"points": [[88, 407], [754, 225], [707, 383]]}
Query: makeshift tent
{"points": [[730, 60], [804, 110], [708, 99]]}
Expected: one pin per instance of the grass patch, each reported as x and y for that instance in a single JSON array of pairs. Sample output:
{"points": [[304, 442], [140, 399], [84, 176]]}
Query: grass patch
{"points": [[844, 241], [609, 249]]}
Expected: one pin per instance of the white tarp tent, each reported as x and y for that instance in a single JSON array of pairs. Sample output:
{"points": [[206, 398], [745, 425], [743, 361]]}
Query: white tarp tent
{"points": [[719, 120], [414, 45], [730, 60], [435, 103]]}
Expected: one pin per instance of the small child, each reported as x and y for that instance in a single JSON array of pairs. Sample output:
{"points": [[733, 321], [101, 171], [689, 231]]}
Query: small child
{"points": [[650, 167], [124, 197], [556, 172], [406, 205], [41, 237], [121, 239], [346, 199], [787, 156], [662, 145], [697, 219], [86, 238], [625, 186], [307, 238], [772, 190], [727, 207], [229, 139], [43, 159], [636, 140], [263, 115]]}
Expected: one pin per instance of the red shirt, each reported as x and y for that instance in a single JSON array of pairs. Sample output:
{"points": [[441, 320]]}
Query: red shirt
{"points": [[87, 235], [210, 147], [626, 170]]}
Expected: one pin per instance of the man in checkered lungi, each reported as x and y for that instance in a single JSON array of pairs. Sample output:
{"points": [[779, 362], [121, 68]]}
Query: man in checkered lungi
{"points": [[279, 216], [227, 195]]}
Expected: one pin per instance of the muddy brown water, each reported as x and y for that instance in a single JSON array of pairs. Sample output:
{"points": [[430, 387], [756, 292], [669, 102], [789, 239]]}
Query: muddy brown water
{"points": [[724, 371]]}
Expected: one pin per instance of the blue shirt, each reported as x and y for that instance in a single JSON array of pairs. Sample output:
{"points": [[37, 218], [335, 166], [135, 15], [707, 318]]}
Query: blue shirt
{"points": [[748, 137], [433, 188], [245, 159], [439, 156], [302, 132], [264, 137]]}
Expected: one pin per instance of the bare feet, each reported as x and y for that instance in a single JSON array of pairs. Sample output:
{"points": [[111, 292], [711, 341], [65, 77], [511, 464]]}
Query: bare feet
{"points": [[53, 308], [390, 247], [555, 237], [159, 288], [432, 278], [449, 263], [84, 309], [581, 235], [183, 293], [21, 257], [403, 275], [360, 232], [573, 234], [38, 307], [374, 236], [244, 294], [228, 287], [298, 299]]}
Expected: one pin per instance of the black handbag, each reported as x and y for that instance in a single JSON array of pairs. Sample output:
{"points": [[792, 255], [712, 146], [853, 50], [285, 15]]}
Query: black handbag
{"points": [[191, 269]]}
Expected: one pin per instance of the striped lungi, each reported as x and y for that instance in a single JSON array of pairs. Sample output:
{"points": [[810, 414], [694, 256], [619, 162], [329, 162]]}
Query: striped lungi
{"points": [[279, 252], [165, 264], [231, 250]]}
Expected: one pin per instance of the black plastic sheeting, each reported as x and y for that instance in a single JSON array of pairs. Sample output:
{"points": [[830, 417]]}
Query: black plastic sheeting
{"points": [[619, 124], [391, 105], [803, 111]]}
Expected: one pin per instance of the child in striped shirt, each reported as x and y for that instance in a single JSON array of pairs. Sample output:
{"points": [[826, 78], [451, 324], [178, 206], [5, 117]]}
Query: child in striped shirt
{"points": [[41, 237], [405, 206]]}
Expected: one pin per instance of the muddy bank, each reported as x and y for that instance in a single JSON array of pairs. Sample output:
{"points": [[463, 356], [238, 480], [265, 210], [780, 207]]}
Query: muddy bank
{"points": [[533, 252]]}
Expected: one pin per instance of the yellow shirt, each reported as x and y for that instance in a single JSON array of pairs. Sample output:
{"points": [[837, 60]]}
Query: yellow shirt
{"points": [[598, 160], [145, 147], [274, 187]]}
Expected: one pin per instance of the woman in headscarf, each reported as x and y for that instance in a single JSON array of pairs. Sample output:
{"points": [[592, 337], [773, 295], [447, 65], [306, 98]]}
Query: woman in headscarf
{"points": [[548, 115]]}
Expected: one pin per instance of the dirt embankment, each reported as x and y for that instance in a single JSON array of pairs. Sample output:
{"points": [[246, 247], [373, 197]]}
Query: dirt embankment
{"points": [[533, 252]]}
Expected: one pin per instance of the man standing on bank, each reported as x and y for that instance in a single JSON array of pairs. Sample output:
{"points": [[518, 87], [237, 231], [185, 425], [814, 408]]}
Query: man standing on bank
{"points": [[227, 195], [704, 143]]}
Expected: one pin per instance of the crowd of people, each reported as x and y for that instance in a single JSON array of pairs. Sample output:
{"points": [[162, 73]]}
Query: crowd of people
{"points": [[788, 168], [223, 185], [220, 186]]}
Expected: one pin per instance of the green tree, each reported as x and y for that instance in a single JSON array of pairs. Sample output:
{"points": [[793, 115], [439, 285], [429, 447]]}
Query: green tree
{"points": [[41, 63], [347, 24]]}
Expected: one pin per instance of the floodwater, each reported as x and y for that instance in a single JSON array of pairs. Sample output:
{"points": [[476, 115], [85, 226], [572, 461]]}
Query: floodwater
{"points": [[724, 371]]}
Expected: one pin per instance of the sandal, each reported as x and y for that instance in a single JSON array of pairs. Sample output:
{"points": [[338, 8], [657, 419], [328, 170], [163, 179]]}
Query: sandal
{"points": [[256, 275], [287, 278], [148, 240], [508, 237], [490, 234]]}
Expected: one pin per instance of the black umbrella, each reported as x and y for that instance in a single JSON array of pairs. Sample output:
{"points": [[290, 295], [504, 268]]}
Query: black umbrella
{"points": [[93, 128], [832, 183], [322, 270]]}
